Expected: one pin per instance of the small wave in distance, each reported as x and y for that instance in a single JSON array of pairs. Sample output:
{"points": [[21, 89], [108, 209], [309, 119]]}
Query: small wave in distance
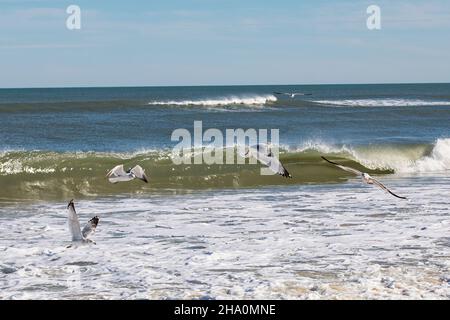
{"points": [[383, 102], [220, 101]]}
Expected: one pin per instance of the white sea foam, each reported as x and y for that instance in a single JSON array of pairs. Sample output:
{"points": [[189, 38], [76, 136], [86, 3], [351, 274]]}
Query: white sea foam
{"points": [[342, 241], [222, 101], [15, 167], [383, 102], [438, 160]]}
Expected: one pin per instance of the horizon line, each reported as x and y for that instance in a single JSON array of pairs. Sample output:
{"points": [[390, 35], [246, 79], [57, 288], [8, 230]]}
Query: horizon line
{"points": [[216, 85]]}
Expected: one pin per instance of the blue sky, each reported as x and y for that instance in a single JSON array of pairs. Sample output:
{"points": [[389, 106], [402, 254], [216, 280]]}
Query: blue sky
{"points": [[209, 42]]}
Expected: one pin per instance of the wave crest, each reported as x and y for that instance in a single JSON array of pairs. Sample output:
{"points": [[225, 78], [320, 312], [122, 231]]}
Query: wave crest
{"points": [[417, 158], [223, 101]]}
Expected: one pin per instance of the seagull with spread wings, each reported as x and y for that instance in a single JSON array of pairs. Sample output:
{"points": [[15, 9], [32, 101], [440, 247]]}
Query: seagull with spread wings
{"points": [[74, 225], [365, 177], [118, 174], [293, 94], [264, 155]]}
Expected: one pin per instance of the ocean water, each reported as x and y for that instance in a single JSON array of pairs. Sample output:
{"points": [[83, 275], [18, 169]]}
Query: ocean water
{"points": [[225, 231]]}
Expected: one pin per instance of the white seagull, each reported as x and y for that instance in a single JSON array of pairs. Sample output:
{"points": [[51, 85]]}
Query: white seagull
{"points": [[74, 225], [365, 177], [264, 155], [292, 95], [118, 174]]}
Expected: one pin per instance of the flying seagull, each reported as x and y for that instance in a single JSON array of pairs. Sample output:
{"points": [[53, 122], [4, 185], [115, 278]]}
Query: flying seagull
{"points": [[118, 174], [74, 225], [264, 155], [365, 176], [292, 95]]}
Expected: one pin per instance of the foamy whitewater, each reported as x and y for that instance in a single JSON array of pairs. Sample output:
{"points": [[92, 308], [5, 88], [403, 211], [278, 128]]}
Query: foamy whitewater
{"points": [[217, 231], [317, 242]]}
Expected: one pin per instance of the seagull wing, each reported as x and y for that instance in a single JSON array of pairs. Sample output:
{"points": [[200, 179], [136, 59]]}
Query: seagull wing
{"points": [[348, 169], [378, 183], [118, 174], [277, 167], [260, 147], [243, 152], [74, 224], [89, 228], [117, 171], [284, 93], [264, 155], [139, 173]]}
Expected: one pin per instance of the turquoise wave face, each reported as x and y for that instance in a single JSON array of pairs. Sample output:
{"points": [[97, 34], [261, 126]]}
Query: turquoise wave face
{"points": [[61, 175]]}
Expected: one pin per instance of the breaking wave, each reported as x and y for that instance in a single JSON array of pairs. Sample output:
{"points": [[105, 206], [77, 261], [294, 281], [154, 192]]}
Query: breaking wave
{"points": [[408, 158], [42, 174], [223, 101]]}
